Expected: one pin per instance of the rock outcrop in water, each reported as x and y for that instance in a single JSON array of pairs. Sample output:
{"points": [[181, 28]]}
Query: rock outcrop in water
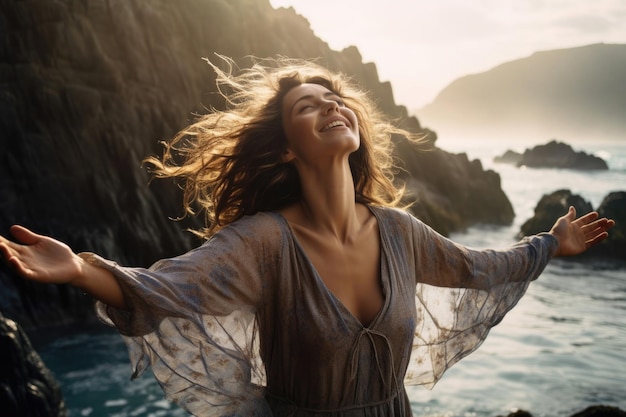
{"points": [[600, 411], [552, 206], [508, 157], [614, 206], [27, 388], [554, 155], [89, 87], [591, 411]]}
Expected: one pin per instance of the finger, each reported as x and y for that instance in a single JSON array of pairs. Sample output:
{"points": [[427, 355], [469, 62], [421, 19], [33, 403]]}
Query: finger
{"points": [[602, 223], [11, 255], [4, 240], [20, 268], [571, 213], [24, 235], [592, 232], [7, 248], [609, 224], [587, 218], [597, 239]]}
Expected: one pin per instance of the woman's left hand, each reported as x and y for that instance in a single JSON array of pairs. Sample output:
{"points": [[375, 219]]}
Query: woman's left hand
{"points": [[577, 235]]}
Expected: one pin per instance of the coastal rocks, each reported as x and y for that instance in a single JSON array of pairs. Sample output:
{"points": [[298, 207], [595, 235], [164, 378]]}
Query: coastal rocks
{"points": [[27, 388], [600, 411], [614, 207], [509, 157], [549, 208], [553, 155], [449, 192], [552, 206], [591, 411]]}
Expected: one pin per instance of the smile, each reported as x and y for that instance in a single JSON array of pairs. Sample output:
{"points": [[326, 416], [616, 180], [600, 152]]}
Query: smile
{"points": [[332, 124]]}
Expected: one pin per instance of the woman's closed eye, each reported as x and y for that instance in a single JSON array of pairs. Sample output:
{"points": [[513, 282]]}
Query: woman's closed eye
{"points": [[308, 106], [305, 107]]}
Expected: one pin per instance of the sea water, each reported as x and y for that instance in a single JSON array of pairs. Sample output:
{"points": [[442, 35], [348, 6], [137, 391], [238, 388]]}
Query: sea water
{"points": [[561, 349]]}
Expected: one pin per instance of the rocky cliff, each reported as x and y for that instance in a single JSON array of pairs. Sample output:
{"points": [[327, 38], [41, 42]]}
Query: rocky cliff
{"points": [[89, 87]]}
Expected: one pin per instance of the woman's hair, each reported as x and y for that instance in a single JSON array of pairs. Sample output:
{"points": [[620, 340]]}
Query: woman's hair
{"points": [[231, 160]]}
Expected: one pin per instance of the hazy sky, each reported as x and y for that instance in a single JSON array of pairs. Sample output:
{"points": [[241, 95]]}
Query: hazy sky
{"points": [[442, 40]]}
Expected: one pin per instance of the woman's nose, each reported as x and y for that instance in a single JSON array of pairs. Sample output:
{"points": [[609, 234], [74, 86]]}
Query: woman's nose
{"points": [[330, 106]]}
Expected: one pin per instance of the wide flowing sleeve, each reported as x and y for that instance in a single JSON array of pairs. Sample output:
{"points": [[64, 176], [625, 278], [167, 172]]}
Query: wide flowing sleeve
{"points": [[461, 293], [192, 318]]}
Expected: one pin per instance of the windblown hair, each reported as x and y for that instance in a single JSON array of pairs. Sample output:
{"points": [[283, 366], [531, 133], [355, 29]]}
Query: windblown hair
{"points": [[231, 160]]}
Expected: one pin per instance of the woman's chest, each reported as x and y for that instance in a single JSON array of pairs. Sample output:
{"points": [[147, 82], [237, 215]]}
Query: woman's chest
{"points": [[312, 329]]}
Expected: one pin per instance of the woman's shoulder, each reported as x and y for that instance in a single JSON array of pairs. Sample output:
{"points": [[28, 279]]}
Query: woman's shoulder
{"points": [[393, 214], [266, 227], [400, 221], [262, 220]]}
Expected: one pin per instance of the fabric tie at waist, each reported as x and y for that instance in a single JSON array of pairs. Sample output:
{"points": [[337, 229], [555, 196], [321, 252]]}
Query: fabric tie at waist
{"points": [[370, 335]]}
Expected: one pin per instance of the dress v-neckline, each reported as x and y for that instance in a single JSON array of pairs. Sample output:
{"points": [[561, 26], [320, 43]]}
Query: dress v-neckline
{"points": [[322, 285]]}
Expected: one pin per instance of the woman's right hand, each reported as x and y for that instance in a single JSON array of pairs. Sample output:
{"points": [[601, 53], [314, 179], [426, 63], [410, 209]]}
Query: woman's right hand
{"points": [[40, 258], [43, 259]]}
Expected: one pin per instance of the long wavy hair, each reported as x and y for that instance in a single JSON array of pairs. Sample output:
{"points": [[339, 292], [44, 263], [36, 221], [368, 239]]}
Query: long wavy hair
{"points": [[231, 160]]}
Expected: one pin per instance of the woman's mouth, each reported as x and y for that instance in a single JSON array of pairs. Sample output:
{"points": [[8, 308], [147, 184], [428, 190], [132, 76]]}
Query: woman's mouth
{"points": [[332, 124]]}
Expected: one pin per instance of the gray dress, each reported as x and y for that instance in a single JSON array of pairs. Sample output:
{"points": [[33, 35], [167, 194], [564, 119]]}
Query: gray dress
{"points": [[244, 325]]}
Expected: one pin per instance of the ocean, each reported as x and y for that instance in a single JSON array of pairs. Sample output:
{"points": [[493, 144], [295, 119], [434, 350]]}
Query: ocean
{"points": [[561, 349]]}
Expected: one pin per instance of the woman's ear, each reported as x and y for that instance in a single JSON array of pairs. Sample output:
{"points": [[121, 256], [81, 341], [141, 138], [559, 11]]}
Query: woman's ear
{"points": [[287, 156]]}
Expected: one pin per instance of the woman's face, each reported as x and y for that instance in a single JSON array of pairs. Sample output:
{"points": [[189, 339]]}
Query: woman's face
{"points": [[317, 124]]}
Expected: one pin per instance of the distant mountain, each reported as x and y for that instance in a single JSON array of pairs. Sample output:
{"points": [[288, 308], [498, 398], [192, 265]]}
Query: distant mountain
{"points": [[573, 94]]}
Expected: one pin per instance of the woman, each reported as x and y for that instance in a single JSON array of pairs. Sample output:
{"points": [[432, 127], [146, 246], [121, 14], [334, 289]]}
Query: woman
{"points": [[313, 295]]}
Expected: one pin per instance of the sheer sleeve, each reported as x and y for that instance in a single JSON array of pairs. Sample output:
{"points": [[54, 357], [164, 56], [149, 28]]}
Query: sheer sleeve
{"points": [[192, 318], [462, 292]]}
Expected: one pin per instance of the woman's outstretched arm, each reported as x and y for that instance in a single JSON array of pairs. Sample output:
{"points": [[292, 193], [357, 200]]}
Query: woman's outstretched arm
{"points": [[43, 259]]}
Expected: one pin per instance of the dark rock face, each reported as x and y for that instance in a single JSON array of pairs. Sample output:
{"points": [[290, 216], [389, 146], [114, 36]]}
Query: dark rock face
{"points": [[89, 87], [554, 205], [591, 411], [560, 155], [614, 207], [600, 411], [551, 207], [446, 200], [27, 388]]}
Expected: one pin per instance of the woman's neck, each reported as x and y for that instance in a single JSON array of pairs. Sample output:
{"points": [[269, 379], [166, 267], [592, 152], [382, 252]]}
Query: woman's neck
{"points": [[328, 202]]}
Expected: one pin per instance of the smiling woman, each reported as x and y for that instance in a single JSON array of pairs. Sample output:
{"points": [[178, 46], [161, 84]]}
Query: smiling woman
{"points": [[315, 116], [239, 160], [314, 295]]}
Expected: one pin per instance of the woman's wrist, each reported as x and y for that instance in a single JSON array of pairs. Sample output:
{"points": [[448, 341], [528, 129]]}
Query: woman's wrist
{"points": [[557, 251], [95, 279]]}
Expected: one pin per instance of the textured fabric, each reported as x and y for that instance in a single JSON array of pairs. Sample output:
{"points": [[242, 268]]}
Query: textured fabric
{"points": [[244, 325]]}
